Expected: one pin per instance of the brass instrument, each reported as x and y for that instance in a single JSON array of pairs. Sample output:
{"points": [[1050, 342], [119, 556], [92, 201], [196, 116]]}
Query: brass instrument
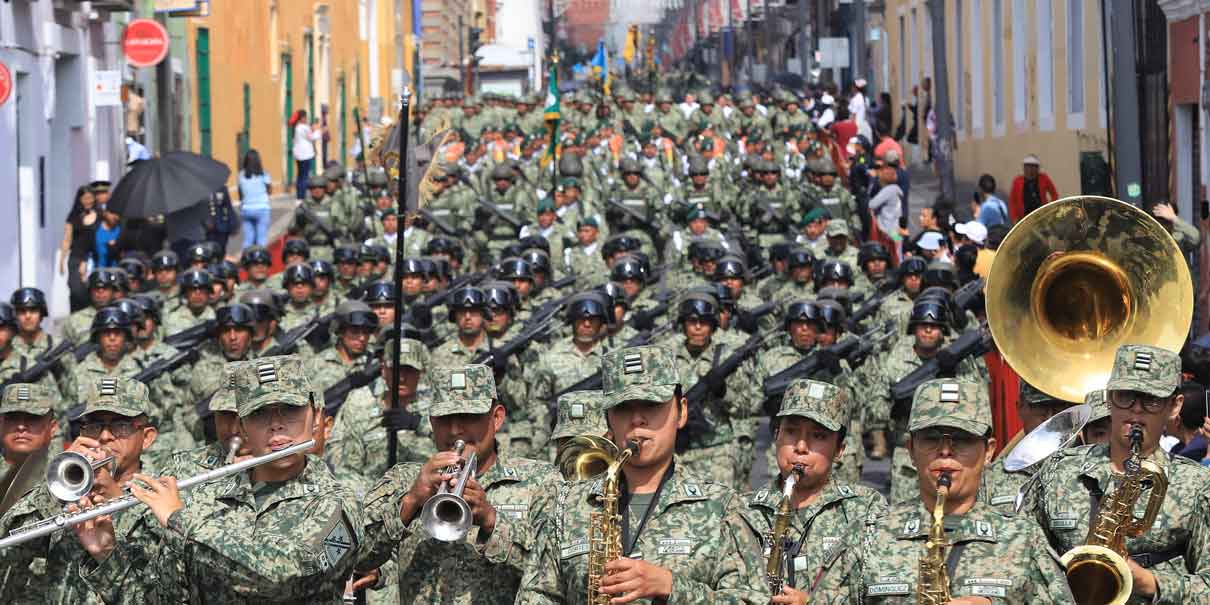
{"points": [[49, 526], [933, 582], [1097, 571], [1056, 433], [585, 456], [605, 528], [233, 446], [775, 539], [446, 515], [70, 475], [1077, 278]]}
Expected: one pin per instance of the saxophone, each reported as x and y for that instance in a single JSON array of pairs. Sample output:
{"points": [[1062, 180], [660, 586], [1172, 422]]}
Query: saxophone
{"points": [[933, 582], [605, 528], [775, 546], [1097, 570]]}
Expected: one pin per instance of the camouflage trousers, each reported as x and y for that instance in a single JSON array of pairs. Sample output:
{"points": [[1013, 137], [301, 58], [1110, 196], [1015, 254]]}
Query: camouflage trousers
{"points": [[714, 462]]}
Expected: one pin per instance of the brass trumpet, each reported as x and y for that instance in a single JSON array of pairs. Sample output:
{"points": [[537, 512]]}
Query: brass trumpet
{"points": [[70, 475], [446, 515]]}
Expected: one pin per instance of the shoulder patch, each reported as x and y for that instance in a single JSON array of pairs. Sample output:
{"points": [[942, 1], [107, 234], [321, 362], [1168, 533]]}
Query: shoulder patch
{"points": [[337, 542], [693, 490]]}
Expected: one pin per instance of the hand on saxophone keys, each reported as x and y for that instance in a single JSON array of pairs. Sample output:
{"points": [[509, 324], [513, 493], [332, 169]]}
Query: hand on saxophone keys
{"points": [[790, 596], [634, 579]]}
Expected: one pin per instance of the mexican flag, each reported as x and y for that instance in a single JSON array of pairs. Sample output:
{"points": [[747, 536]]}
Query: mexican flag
{"points": [[552, 114]]}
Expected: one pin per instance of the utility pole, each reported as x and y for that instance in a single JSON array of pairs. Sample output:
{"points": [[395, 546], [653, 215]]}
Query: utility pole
{"points": [[1118, 17], [859, 40], [165, 107], [944, 154], [461, 58]]}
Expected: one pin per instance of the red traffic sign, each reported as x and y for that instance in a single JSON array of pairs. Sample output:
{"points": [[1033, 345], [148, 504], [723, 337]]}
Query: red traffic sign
{"points": [[6, 83], [145, 42]]}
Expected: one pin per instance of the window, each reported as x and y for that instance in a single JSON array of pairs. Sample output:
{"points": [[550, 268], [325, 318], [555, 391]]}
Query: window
{"points": [[998, 65], [1045, 72], [976, 46], [960, 69], [1075, 63], [1020, 48]]}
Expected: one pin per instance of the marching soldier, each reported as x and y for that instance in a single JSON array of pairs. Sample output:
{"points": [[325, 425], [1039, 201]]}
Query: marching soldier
{"points": [[234, 328], [12, 362], [354, 323], [27, 426], [1167, 562], [255, 261], [585, 258], [265, 313], [102, 290], [643, 199], [164, 266], [825, 511], [112, 332], [318, 228], [195, 307], [982, 556], [285, 532], [501, 491], [682, 537], [299, 282], [345, 258], [322, 295], [1033, 408]]}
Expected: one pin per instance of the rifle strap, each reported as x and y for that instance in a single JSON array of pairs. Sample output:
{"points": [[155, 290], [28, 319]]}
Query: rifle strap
{"points": [[718, 353]]}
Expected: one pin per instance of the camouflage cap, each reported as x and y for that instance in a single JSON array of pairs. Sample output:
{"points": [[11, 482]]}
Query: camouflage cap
{"points": [[647, 373], [1100, 407], [580, 413], [224, 398], [469, 389], [1030, 395], [32, 399], [837, 227], [947, 402], [263, 382], [412, 354], [1146, 369], [119, 395], [824, 403]]}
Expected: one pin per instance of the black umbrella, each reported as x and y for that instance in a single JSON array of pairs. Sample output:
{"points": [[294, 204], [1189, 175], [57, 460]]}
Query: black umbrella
{"points": [[173, 182]]}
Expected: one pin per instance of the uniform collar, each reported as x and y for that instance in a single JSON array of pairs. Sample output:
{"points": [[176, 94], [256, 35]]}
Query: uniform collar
{"points": [[979, 524], [1097, 467], [770, 496], [681, 487], [242, 489], [502, 472]]}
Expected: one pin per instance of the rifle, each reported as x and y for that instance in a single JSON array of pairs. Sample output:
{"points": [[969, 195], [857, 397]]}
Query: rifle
{"points": [[657, 237], [853, 350], [84, 349], [46, 363], [318, 222], [976, 341], [335, 395], [440, 224], [512, 221], [748, 319], [190, 336], [697, 422], [870, 306], [160, 367], [499, 355], [645, 320], [289, 343]]}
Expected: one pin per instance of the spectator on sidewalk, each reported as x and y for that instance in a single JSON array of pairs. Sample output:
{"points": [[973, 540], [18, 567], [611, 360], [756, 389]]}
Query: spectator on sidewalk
{"points": [[220, 219], [303, 149], [105, 249], [1031, 189], [985, 206], [79, 238], [886, 206], [255, 185]]}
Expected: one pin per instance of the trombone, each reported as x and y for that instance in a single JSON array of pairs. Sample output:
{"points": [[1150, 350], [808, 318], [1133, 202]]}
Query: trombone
{"points": [[49, 526], [446, 515]]}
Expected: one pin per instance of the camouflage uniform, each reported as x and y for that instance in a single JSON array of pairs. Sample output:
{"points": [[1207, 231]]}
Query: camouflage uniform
{"points": [[238, 542], [838, 513], [480, 568], [557, 368], [1176, 547], [15, 363], [523, 415], [76, 328], [294, 315], [319, 242], [43, 343], [328, 367], [696, 530], [1003, 558]]}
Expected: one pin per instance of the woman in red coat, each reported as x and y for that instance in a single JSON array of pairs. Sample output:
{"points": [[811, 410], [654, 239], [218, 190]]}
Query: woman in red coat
{"points": [[1030, 190]]}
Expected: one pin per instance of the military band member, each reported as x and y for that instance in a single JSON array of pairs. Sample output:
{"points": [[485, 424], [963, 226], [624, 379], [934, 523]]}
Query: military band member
{"points": [[285, 531], [500, 493], [825, 512], [26, 429], [1033, 408], [1097, 429], [1170, 561], [579, 413], [986, 557], [683, 538]]}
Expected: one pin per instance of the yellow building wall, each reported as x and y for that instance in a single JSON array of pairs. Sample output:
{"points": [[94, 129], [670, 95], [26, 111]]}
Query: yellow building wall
{"points": [[999, 149], [245, 47]]}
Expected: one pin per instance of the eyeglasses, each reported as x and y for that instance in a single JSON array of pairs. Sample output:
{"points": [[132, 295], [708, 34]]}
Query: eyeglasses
{"points": [[118, 428], [290, 416], [959, 442], [1125, 400]]}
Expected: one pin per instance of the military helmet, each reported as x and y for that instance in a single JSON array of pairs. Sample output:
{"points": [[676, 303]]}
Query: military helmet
{"points": [[913, 265], [443, 245], [570, 165], [620, 243], [872, 251], [628, 267], [110, 318], [373, 253], [413, 266], [800, 310], [720, 292], [442, 266], [133, 267], [165, 259], [503, 171], [587, 305], [120, 278], [344, 254], [262, 303], [536, 240], [255, 255], [730, 266], [831, 313], [501, 295], [617, 296], [295, 246], [538, 259], [514, 268], [150, 305], [27, 298], [356, 314], [929, 311], [8, 317], [335, 172], [322, 268], [297, 273], [195, 278], [705, 250], [630, 166], [780, 251], [378, 178], [941, 274], [132, 309], [198, 253], [379, 292], [833, 269], [698, 305], [466, 297], [238, 315], [799, 257], [103, 278]]}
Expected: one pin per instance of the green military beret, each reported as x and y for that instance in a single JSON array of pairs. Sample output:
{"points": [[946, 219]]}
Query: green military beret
{"points": [[824, 403], [815, 214], [469, 389], [546, 204]]}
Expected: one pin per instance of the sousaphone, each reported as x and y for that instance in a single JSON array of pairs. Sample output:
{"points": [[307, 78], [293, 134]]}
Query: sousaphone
{"points": [[1076, 279]]}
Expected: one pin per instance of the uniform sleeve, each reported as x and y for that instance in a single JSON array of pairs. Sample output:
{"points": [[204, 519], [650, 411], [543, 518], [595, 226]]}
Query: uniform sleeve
{"points": [[1047, 578], [540, 582], [384, 529], [1187, 236], [737, 574], [1189, 583]]}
